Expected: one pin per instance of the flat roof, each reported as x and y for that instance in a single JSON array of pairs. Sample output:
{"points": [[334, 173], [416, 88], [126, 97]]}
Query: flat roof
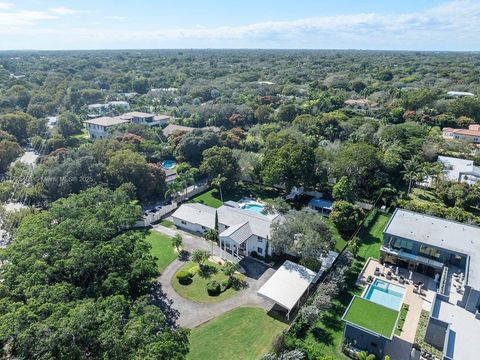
{"points": [[106, 121], [456, 169], [370, 316], [464, 330], [445, 234], [288, 284]]}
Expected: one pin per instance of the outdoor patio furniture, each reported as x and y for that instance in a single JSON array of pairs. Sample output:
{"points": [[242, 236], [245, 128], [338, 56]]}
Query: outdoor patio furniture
{"points": [[377, 271], [389, 275], [401, 280]]}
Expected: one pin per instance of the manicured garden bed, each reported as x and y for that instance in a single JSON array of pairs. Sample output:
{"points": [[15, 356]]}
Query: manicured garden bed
{"points": [[401, 320], [242, 334], [196, 289], [162, 249]]}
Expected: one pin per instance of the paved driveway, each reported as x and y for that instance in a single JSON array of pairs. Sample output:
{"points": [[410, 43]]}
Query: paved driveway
{"points": [[192, 314]]}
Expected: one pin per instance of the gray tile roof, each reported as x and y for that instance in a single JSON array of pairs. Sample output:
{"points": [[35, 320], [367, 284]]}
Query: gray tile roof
{"points": [[259, 224], [238, 233]]}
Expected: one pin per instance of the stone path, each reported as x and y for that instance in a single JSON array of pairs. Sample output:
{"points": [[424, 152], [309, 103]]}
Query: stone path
{"points": [[192, 314]]}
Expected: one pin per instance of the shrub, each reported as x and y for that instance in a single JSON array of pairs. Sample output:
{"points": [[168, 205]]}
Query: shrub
{"points": [[213, 288], [184, 277], [225, 284]]}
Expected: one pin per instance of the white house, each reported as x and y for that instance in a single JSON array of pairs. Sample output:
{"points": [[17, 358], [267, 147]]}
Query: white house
{"points": [[195, 217], [142, 118], [98, 127], [457, 94], [241, 232], [459, 170]]}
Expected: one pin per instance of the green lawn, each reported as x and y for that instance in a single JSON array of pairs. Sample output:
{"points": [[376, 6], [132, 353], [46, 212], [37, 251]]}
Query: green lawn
{"points": [[241, 334], [371, 240], [197, 290], [340, 242], [167, 223], [212, 197], [371, 316], [162, 249]]}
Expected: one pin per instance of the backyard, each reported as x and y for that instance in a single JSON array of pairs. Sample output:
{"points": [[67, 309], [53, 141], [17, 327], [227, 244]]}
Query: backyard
{"points": [[242, 334], [196, 290], [212, 197], [162, 249], [325, 337]]}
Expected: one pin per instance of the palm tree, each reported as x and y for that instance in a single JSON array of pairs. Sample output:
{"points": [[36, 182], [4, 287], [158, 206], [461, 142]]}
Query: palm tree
{"points": [[218, 181], [186, 179], [212, 235], [199, 256], [172, 189], [229, 269], [177, 242], [411, 171]]}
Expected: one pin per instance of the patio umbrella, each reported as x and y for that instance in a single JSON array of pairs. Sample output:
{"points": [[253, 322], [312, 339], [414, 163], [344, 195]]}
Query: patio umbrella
{"points": [[410, 276], [396, 270]]}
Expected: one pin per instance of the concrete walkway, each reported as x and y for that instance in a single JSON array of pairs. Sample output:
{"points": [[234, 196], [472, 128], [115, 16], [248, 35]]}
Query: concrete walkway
{"points": [[192, 314]]}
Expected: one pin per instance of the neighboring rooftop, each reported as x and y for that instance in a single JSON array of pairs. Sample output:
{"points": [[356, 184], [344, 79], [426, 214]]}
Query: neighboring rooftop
{"points": [[288, 284], [171, 128], [473, 130], [459, 93], [447, 234], [259, 224], [372, 317], [459, 170], [106, 121], [139, 114], [197, 214], [464, 330]]}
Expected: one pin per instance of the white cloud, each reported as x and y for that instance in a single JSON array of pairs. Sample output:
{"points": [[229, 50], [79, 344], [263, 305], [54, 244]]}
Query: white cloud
{"points": [[115, 17], [62, 11], [5, 5], [451, 25]]}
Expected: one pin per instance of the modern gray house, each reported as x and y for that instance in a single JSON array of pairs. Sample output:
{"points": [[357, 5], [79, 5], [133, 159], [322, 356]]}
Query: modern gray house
{"points": [[449, 251], [434, 246]]}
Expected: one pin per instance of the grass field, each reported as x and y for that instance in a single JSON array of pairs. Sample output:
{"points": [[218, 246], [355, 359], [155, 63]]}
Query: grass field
{"points": [[162, 249], [340, 242], [371, 241], [241, 334], [197, 290], [371, 316]]}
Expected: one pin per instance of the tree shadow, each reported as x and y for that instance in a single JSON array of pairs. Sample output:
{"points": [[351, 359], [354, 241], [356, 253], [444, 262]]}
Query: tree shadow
{"points": [[157, 297], [238, 284], [322, 336]]}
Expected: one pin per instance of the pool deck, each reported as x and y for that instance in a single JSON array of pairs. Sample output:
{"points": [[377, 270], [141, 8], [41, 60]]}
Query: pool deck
{"points": [[400, 347]]}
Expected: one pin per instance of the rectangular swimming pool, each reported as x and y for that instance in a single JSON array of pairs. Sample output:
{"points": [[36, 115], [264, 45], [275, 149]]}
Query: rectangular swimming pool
{"points": [[385, 293]]}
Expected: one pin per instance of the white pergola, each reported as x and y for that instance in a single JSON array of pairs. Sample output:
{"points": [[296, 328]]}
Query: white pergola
{"points": [[287, 286]]}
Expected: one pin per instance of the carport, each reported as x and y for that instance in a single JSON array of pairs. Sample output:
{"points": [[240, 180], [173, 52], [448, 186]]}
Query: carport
{"points": [[287, 286]]}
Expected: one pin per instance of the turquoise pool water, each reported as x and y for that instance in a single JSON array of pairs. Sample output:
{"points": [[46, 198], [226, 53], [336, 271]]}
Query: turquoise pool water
{"points": [[386, 294], [168, 164], [253, 207]]}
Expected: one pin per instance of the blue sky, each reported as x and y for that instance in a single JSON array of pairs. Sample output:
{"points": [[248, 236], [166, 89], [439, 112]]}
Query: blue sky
{"points": [[340, 24]]}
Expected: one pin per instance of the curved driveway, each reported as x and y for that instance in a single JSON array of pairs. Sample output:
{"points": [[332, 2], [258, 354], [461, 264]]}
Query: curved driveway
{"points": [[193, 314]]}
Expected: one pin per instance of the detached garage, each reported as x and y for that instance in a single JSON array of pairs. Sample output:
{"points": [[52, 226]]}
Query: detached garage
{"points": [[287, 286]]}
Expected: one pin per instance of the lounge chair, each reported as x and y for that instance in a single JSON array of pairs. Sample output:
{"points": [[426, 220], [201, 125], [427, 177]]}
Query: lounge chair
{"points": [[377, 271], [389, 275]]}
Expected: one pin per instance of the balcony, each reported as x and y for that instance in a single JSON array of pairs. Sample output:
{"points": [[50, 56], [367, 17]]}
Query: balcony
{"points": [[412, 257]]}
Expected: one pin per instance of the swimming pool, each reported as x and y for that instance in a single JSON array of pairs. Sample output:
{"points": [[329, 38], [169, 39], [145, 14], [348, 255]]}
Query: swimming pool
{"points": [[258, 208], [385, 293], [168, 164]]}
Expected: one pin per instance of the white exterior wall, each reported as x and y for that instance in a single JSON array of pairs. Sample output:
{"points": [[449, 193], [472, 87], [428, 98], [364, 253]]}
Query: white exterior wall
{"points": [[96, 131], [189, 226], [253, 243]]}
